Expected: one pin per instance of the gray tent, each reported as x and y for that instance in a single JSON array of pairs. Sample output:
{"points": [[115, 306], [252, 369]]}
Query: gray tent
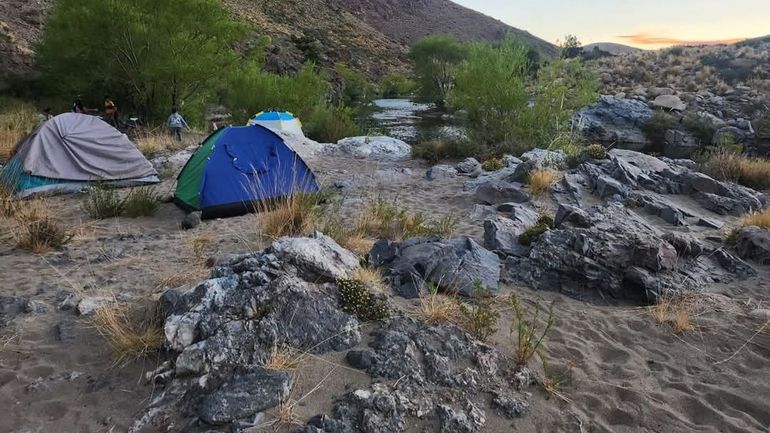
{"points": [[70, 151]]}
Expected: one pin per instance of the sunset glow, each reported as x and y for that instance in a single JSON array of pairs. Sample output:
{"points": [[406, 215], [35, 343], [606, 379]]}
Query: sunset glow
{"points": [[649, 24]]}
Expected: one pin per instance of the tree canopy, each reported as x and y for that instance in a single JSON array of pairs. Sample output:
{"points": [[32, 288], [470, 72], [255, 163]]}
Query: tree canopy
{"points": [[434, 58]]}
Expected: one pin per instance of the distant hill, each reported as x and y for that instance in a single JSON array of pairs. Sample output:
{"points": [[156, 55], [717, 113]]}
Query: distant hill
{"points": [[612, 48], [372, 36]]}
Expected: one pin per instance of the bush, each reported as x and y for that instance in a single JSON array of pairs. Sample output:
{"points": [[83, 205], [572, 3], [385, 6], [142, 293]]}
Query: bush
{"points": [[701, 128], [596, 151], [357, 87], [759, 219], [541, 180], [436, 150], [141, 202], [294, 215], [385, 220], [480, 320], [35, 230], [493, 164], [329, 124], [531, 234], [528, 333], [655, 128], [437, 309], [356, 298], [396, 86], [131, 332], [103, 202]]}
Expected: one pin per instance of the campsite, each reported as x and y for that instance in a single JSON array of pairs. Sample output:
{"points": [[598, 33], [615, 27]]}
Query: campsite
{"points": [[380, 216]]}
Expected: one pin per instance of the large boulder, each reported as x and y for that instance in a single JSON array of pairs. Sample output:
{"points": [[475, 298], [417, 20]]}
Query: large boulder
{"points": [[615, 121], [499, 191], [316, 257], [375, 148], [245, 395], [669, 102], [502, 236], [616, 255], [441, 171], [455, 266], [753, 243], [469, 167]]}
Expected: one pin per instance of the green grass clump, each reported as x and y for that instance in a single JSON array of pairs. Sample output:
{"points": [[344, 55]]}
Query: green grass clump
{"points": [[527, 330], [103, 202], [436, 150], [141, 202], [493, 164], [355, 298], [596, 151], [480, 319], [531, 234]]}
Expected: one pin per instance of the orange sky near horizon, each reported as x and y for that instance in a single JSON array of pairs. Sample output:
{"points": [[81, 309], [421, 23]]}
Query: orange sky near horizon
{"points": [[650, 24]]}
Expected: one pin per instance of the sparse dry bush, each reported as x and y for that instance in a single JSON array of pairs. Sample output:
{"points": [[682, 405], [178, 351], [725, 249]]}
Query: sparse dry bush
{"points": [[153, 144], [677, 311], [541, 180], [284, 358], [438, 309], [16, 121], [480, 318], [35, 230], [294, 215], [381, 219], [759, 219], [132, 331], [753, 172]]}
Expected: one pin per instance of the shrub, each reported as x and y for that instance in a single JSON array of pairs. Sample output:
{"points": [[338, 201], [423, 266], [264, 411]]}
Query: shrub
{"points": [[434, 60], [701, 128], [131, 332], [357, 87], [36, 231], [493, 164], [437, 309], [676, 311], [596, 151], [396, 86], [530, 235], [480, 320], [385, 220], [436, 150], [329, 124], [541, 180], [753, 172], [356, 298], [294, 215], [141, 202], [528, 333], [655, 128], [103, 202]]}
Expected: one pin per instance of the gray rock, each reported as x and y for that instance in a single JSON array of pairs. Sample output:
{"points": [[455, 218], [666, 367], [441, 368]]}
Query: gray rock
{"points": [[455, 266], [753, 243], [615, 121], [375, 148], [482, 212], [191, 220], [441, 171], [509, 406], [669, 102], [316, 257], [494, 192], [452, 421], [88, 306], [545, 158], [680, 144], [244, 396], [567, 214], [502, 236], [654, 92], [619, 256], [729, 135], [760, 313], [469, 166], [13, 306]]}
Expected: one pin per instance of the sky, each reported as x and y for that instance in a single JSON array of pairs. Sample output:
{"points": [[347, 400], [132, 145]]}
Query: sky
{"points": [[640, 23]]}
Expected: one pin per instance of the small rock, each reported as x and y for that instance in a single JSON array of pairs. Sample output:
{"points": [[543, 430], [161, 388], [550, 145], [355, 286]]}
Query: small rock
{"points": [[494, 192], [760, 313], [469, 166], [244, 396], [191, 220], [669, 102], [441, 171], [88, 306]]}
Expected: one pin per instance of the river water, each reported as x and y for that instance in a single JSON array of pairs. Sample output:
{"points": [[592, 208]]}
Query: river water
{"points": [[405, 119]]}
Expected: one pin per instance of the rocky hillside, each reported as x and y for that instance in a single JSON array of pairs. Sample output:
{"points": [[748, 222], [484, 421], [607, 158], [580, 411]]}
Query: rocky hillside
{"points": [[372, 36]]}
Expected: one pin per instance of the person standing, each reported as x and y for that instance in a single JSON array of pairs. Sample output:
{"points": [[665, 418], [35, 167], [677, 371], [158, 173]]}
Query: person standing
{"points": [[77, 106], [175, 124], [110, 112]]}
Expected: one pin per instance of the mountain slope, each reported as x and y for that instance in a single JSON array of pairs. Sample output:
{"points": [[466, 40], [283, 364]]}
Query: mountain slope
{"points": [[612, 48]]}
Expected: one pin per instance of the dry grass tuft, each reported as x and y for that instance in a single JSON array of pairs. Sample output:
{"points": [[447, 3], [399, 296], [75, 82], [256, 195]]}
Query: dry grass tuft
{"points": [[16, 122], [381, 219], [734, 167], [190, 275], [288, 216], [35, 230], [759, 219], [358, 243], [372, 278], [677, 311], [284, 359], [155, 143], [131, 331], [541, 180], [438, 309]]}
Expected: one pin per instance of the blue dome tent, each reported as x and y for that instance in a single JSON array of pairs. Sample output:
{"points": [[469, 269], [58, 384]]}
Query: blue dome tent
{"points": [[278, 121], [237, 167]]}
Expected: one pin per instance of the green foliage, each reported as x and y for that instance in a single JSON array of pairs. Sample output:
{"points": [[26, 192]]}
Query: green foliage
{"points": [[490, 87], [250, 90], [329, 124], [493, 164], [103, 202], [141, 202], [148, 55], [357, 87], [396, 86], [434, 59], [571, 47], [596, 151], [386, 220], [356, 298], [531, 234], [655, 128], [435, 150], [480, 320], [529, 334], [701, 128]]}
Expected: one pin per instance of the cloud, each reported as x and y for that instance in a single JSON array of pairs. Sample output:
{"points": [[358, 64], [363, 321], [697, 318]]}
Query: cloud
{"points": [[645, 39]]}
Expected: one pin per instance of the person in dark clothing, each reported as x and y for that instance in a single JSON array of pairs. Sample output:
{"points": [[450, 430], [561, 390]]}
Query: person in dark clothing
{"points": [[110, 112], [77, 106]]}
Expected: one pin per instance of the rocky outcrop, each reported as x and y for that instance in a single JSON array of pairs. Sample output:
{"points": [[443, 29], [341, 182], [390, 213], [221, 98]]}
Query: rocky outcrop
{"points": [[669, 102], [753, 243], [455, 266], [612, 254], [224, 329], [616, 121], [375, 148]]}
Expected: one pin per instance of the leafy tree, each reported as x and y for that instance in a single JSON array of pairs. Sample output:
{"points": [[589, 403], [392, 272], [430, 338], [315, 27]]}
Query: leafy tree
{"points": [[571, 47], [357, 87], [396, 85], [434, 58], [490, 85], [149, 54]]}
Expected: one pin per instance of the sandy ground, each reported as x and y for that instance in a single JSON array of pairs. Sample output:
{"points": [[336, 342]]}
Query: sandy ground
{"points": [[627, 373]]}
